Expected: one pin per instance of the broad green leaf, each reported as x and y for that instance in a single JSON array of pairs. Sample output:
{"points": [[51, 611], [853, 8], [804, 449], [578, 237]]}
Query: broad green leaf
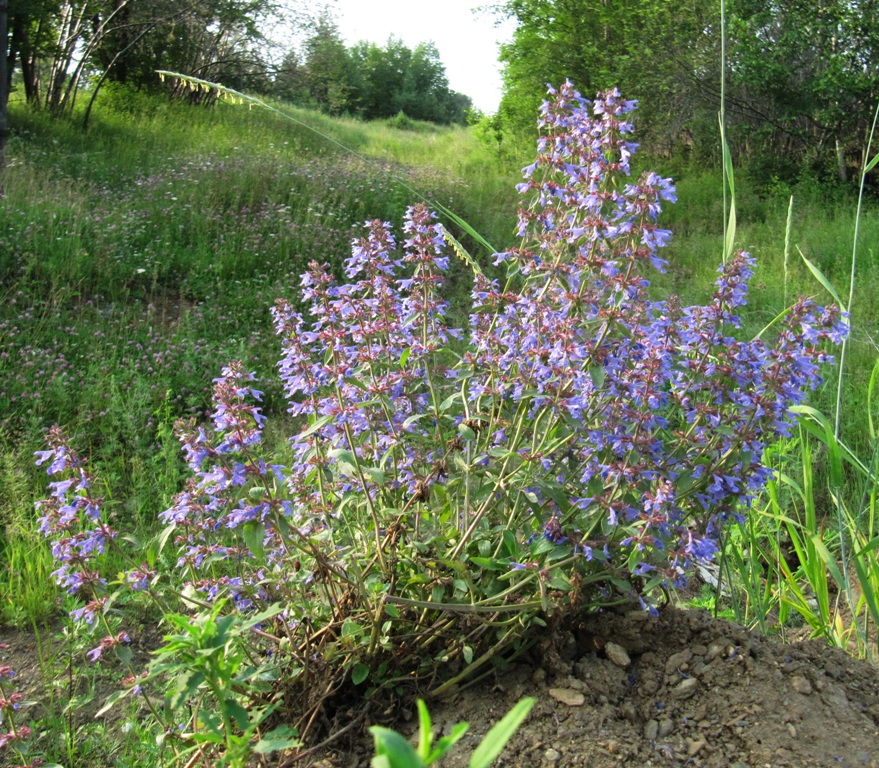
{"points": [[282, 737], [391, 745], [254, 534], [359, 673], [238, 713]]}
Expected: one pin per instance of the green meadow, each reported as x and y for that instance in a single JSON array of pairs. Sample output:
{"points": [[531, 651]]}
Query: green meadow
{"points": [[138, 257]]}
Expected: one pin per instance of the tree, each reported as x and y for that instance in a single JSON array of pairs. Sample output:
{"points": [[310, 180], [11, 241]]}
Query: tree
{"points": [[328, 69], [805, 79], [4, 94], [656, 51], [803, 75]]}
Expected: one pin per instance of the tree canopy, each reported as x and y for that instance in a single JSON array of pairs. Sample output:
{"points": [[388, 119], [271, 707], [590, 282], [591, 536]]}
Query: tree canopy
{"points": [[369, 80], [802, 75]]}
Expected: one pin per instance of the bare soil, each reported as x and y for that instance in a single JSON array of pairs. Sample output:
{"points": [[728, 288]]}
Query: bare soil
{"points": [[696, 691], [626, 689]]}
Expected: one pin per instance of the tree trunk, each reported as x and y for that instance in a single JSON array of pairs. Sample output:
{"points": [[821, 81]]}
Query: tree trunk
{"points": [[21, 45], [841, 169], [4, 90]]}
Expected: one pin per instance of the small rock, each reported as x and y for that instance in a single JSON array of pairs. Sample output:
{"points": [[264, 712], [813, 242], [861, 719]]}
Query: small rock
{"points": [[677, 660], [685, 689], [715, 650], [694, 746], [801, 685], [567, 696], [666, 727], [617, 655], [539, 675], [651, 730], [552, 756], [792, 730]]}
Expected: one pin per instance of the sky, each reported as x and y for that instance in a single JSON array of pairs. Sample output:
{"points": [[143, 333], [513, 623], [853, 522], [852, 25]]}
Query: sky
{"points": [[467, 41]]}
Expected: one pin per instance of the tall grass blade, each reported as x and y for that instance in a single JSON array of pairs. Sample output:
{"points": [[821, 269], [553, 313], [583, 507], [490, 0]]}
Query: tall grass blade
{"points": [[729, 236], [821, 278], [787, 231], [496, 739]]}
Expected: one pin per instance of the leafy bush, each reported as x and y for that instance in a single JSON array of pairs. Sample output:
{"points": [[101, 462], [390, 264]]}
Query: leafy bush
{"points": [[581, 445]]}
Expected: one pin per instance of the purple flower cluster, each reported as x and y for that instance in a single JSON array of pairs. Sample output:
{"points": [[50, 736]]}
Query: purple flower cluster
{"points": [[231, 487], [366, 370], [582, 424], [654, 416], [71, 517]]}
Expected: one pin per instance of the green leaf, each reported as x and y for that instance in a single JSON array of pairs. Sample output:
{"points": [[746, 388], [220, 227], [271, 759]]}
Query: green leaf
{"points": [[447, 742], [392, 746], [238, 713], [359, 673], [282, 737], [598, 374], [819, 276], [424, 730], [871, 165], [375, 474], [165, 535], [254, 534], [321, 422], [112, 699], [351, 628], [496, 739]]}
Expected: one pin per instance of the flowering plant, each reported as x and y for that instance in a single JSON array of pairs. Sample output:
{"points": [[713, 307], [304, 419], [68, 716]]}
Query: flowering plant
{"points": [[583, 445]]}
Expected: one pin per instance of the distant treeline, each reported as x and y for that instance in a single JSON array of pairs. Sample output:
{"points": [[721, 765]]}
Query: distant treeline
{"points": [[802, 76], [54, 48], [368, 80]]}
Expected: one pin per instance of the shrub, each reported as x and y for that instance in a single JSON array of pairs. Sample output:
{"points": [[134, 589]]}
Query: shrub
{"points": [[583, 443]]}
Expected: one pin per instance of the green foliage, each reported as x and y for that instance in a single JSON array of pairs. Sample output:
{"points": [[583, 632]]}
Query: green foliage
{"points": [[801, 84], [370, 81], [215, 689], [393, 751]]}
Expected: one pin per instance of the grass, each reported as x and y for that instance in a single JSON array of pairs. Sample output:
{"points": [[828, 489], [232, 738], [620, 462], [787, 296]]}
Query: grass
{"points": [[137, 258]]}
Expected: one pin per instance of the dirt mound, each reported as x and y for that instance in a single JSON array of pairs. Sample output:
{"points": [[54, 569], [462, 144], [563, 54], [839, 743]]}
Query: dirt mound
{"points": [[627, 689]]}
